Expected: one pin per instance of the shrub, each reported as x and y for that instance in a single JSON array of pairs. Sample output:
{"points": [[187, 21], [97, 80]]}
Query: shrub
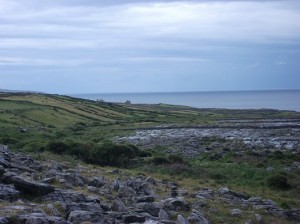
{"points": [[105, 154], [175, 158], [160, 160], [285, 205], [58, 147], [110, 154], [278, 182]]}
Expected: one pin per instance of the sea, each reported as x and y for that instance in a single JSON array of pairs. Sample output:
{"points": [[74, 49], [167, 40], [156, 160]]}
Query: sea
{"points": [[262, 99]]}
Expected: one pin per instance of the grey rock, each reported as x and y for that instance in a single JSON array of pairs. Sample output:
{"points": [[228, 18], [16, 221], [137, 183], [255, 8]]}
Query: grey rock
{"points": [[223, 190], [259, 218], [53, 210], [40, 218], [4, 163], [249, 221], [2, 170], [205, 193], [182, 192], [8, 193], [292, 214], [49, 180], [236, 212], [197, 217], [66, 196], [152, 209], [52, 173], [118, 206], [144, 199], [174, 192], [126, 192], [4, 220], [133, 218], [89, 206], [79, 216], [74, 179], [254, 200], [27, 186], [177, 204], [163, 215], [115, 185], [97, 182], [233, 195], [93, 189], [151, 222], [151, 180], [181, 220]]}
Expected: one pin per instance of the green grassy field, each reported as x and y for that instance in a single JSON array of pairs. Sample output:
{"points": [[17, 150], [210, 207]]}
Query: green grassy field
{"points": [[31, 122]]}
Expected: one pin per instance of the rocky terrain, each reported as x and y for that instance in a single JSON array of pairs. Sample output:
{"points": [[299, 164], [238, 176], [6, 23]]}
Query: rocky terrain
{"points": [[254, 135], [52, 192]]}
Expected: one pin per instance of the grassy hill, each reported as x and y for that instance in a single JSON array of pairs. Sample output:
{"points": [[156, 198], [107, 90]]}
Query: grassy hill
{"points": [[29, 120]]}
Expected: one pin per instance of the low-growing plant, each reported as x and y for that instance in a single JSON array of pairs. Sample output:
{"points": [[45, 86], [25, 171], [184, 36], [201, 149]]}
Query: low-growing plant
{"points": [[278, 182], [160, 160], [176, 158]]}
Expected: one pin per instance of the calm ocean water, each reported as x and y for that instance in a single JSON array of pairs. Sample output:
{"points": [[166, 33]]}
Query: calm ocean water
{"points": [[271, 99]]}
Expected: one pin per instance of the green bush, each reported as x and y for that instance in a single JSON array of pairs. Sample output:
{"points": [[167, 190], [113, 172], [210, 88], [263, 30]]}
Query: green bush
{"points": [[175, 158], [278, 182], [105, 154], [160, 160], [58, 147], [110, 154]]}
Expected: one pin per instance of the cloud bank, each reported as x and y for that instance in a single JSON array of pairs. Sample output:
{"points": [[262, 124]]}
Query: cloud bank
{"points": [[182, 41]]}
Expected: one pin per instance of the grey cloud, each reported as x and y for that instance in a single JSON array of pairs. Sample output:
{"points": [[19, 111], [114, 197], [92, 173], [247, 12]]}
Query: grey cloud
{"points": [[109, 41]]}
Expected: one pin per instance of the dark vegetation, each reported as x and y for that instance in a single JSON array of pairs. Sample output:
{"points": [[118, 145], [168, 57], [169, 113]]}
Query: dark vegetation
{"points": [[104, 154], [84, 129]]}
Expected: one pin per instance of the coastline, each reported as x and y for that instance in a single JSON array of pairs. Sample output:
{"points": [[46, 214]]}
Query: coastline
{"points": [[262, 99]]}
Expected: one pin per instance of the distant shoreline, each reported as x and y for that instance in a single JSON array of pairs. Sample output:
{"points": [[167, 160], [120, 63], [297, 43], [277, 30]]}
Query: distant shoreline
{"points": [[246, 99]]}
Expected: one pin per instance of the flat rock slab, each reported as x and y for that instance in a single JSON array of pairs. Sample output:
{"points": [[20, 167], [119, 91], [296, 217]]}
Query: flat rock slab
{"points": [[28, 186]]}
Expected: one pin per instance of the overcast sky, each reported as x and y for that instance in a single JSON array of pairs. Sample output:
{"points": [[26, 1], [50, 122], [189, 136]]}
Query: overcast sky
{"points": [[91, 46]]}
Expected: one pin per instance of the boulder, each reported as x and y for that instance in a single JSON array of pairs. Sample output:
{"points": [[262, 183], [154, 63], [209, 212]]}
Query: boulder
{"points": [[115, 185], [151, 180], [163, 215], [144, 199], [74, 179], [66, 196], [4, 220], [2, 170], [97, 182], [249, 221], [52, 210], [205, 193], [126, 192], [181, 220], [89, 206], [40, 218], [8, 193], [259, 218], [152, 209], [133, 218], [223, 190], [176, 204], [292, 214], [4, 163], [79, 216], [236, 212], [229, 193], [197, 217], [118, 206]]}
